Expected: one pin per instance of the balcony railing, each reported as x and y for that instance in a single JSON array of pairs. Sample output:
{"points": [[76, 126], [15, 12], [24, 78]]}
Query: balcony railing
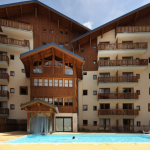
{"points": [[15, 24], [4, 111], [116, 79], [118, 112], [4, 76], [4, 93], [131, 29], [118, 95], [11, 41], [4, 58], [125, 62], [115, 46]]}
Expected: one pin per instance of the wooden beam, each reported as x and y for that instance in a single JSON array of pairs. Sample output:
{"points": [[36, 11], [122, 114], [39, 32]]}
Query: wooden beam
{"points": [[58, 23], [53, 59], [21, 11], [35, 10], [46, 115], [30, 60], [33, 116], [136, 16], [7, 13], [90, 40], [102, 33]]}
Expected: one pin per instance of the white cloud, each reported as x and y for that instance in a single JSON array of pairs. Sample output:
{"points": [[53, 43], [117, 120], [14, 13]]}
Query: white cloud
{"points": [[88, 24]]}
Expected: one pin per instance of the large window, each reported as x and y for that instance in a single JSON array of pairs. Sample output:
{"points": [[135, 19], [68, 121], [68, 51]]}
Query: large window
{"points": [[68, 83], [68, 102], [48, 82], [58, 101], [68, 68], [37, 82]]}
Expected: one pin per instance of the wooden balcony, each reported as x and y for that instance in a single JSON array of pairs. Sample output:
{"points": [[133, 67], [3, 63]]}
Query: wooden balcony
{"points": [[4, 95], [4, 61], [15, 24], [122, 48], [4, 112], [117, 81], [118, 95], [4, 78], [133, 32], [10, 27], [126, 65], [118, 112]]}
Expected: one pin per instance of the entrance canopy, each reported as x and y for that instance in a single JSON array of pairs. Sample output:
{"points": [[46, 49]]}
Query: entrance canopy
{"points": [[39, 106]]}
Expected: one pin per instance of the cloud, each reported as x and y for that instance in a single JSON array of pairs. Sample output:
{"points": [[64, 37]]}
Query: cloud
{"points": [[88, 24]]}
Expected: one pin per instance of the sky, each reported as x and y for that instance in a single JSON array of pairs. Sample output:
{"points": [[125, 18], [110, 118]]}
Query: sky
{"points": [[91, 13]]}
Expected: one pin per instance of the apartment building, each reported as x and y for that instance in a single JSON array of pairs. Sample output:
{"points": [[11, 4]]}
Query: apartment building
{"points": [[56, 70]]}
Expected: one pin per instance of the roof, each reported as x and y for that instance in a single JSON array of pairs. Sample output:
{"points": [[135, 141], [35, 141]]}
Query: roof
{"points": [[115, 20], [40, 101], [51, 44], [38, 2]]}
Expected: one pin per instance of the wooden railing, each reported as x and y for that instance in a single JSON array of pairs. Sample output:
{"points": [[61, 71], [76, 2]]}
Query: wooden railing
{"points": [[125, 62], [118, 79], [15, 24], [4, 58], [4, 76], [4, 93], [4, 111], [115, 46], [118, 112], [11, 41], [118, 95], [131, 29]]}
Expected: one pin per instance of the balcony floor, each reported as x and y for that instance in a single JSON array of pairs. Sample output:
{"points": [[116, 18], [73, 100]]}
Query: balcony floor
{"points": [[117, 100]]}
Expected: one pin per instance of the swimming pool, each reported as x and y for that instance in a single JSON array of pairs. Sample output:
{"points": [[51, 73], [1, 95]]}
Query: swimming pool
{"points": [[83, 138]]}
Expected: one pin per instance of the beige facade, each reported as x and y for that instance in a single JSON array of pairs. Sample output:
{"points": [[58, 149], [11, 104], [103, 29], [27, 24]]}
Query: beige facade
{"points": [[89, 84]]}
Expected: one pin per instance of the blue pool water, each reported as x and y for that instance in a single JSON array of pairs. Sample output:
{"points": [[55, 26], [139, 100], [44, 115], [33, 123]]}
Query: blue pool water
{"points": [[83, 138]]}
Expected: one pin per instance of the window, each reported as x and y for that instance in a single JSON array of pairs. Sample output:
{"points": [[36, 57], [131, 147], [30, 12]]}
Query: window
{"points": [[68, 102], [94, 77], [48, 82], [128, 106], [138, 123], [66, 32], [94, 46], [12, 107], [44, 43], [94, 123], [68, 83], [138, 91], [49, 100], [85, 107], [138, 108], [66, 44], [23, 90], [51, 31], [94, 92], [94, 61], [94, 108], [12, 73], [58, 101], [23, 70], [37, 82], [104, 106], [61, 32], [138, 75], [85, 122], [84, 73], [12, 57], [12, 90], [148, 106], [56, 83], [61, 45], [85, 92], [44, 30], [82, 50]]}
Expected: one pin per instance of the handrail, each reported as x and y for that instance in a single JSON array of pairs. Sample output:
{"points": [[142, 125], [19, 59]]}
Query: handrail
{"points": [[4, 76], [4, 93], [116, 46], [124, 62], [12, 41], [4, 58], [4, 111], [118, 112], [15, 24], [118, 79], [131, 29], [118, 96]]}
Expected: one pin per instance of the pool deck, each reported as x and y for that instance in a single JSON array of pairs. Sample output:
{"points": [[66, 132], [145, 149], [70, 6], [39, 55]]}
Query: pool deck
{"points": [[104, 146]]}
